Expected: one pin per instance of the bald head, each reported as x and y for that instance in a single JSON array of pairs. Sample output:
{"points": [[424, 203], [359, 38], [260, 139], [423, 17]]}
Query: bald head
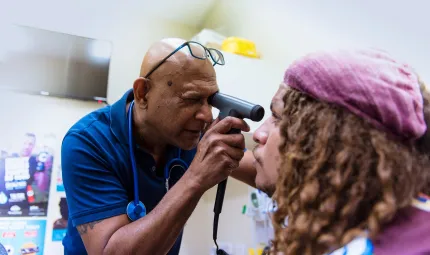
{"points": [[171, 104], [178, 62]]}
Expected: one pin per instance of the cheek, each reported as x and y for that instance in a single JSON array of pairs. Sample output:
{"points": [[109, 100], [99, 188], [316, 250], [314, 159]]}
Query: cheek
{"points": [[273, 155]]}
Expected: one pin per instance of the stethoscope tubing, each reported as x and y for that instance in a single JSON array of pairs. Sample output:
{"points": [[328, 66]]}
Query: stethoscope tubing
{"points": [[169, 166], [131, 149]]}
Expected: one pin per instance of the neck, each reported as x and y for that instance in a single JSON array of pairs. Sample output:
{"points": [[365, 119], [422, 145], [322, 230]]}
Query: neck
{"points": [[146, 136]]}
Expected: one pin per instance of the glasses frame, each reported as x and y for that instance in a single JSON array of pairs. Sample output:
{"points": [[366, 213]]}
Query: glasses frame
{"points": [[207, 50]]}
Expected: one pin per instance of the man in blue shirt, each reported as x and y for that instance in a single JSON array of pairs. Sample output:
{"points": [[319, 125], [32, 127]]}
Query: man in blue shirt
{"points": [[169, 117]]}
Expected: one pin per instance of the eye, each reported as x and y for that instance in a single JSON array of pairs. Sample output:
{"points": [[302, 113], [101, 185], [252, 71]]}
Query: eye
{"points": [[275, 118], [192, 100]]}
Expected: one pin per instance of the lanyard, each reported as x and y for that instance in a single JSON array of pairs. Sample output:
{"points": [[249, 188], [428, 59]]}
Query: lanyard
{"points": [[358, 246], [422, 202]]}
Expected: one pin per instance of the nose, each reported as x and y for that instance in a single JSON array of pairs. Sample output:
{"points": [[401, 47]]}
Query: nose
{"points": [[260, 135], [205, 113]]}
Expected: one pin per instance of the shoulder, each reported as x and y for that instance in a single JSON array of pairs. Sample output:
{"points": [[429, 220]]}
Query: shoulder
{"points": [[92, 128], [409, 228], [89, 138], [97, 119]]}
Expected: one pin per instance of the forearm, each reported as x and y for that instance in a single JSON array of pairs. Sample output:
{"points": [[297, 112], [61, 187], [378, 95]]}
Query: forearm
{"points": [[156, 232], [246, 171]]}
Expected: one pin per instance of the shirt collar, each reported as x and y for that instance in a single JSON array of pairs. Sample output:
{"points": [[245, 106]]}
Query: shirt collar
{"points": [[118, 116]]}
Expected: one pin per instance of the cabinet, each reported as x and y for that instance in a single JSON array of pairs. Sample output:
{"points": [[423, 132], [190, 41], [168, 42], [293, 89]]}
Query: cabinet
{"points": [[253, 80]]}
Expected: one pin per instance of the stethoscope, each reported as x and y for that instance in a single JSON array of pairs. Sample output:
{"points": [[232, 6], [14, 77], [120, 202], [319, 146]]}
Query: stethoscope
{"points": [[136, 209]]}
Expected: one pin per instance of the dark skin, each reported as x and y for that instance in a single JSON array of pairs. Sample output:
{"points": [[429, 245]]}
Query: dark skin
{"points": [[171, 108]]}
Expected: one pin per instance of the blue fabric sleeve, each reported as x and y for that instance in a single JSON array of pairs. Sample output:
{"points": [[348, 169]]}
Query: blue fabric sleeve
{"points": [[92, 189]]}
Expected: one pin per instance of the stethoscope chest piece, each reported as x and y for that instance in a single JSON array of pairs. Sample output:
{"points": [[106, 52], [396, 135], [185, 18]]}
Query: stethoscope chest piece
{"points": [[135, 211]]}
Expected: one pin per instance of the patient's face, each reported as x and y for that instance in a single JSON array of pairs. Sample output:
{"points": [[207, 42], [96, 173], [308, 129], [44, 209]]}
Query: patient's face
{"points": [[266, 152]]}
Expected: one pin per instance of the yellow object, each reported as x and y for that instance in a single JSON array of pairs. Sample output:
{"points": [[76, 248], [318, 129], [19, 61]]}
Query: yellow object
{"points": [[240, 46], [251, 251], [259, 251]]}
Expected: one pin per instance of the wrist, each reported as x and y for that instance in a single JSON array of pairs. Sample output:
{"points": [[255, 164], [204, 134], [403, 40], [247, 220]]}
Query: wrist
{"points": [[193, 184]]}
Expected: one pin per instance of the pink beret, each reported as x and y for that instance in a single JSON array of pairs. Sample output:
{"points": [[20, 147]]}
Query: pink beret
{"points": [[369, 83]]}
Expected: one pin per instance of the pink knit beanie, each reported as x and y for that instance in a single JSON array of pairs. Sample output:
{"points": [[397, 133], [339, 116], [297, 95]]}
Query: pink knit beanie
{"points": [[369, 83]]}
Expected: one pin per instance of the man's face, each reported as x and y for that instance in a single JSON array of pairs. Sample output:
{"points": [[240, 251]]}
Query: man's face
{"points": [[178, 104], [266, 152], [28, 146]]}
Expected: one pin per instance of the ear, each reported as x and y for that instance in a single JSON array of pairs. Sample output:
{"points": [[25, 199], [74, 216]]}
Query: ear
{"points": [[141, 88]]}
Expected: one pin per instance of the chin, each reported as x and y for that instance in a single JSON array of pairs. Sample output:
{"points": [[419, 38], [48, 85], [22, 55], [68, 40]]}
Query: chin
{"points": [[188, 145], [265, 186]]}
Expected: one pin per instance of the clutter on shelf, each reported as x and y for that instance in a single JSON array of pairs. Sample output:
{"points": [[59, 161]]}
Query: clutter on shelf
{"points": [[235, 45], [260, 208], [240, 46]]}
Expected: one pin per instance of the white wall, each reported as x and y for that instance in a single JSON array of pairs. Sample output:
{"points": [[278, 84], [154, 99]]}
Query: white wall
{"points": [[284, 29], [253, 80], [129, 27]]}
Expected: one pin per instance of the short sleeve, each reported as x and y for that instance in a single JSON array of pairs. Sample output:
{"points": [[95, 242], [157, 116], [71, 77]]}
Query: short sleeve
{"points": [[93, 190]]}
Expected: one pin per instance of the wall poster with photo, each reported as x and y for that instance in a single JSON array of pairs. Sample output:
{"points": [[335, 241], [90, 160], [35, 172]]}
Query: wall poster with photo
{"points": [[25, 175], [22, 236], [59, 227]]}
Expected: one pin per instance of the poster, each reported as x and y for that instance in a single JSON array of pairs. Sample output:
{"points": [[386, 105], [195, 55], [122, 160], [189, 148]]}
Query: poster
{"points": [[25, 176], [60, 187], [23, 236], [59, 227]]}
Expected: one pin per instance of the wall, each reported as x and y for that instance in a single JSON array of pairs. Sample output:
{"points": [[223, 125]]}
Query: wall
{"points": [[253, 80], [130, 28], [285, 30]]}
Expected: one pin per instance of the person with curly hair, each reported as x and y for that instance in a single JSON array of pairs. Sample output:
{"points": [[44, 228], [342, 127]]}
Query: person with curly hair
{"points": [[346, 156]]}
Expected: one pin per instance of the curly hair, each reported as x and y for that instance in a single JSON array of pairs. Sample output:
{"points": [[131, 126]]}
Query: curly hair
{"points": [[340, 177]]}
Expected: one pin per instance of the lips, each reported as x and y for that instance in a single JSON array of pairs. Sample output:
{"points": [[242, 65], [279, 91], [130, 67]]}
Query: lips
{"points": [[256, 157], [257, 161]]}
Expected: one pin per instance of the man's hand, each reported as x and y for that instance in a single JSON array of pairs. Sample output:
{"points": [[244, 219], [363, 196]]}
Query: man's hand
{"points": [[218, 153]]}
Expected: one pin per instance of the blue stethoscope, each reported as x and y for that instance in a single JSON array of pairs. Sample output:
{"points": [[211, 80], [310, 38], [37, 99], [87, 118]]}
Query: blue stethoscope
{"points": [[136, 209]]}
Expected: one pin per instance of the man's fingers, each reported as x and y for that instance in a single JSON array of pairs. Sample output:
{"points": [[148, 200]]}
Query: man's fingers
{"points": [[229, 123], [233, 140], [235, 154]]}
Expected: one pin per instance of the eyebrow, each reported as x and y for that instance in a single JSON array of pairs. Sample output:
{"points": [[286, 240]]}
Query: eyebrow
{"points": [[191, 94], [271, 106]]}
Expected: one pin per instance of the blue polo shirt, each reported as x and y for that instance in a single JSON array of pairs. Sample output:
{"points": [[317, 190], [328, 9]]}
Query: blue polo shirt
{"points": [[97, 173]]}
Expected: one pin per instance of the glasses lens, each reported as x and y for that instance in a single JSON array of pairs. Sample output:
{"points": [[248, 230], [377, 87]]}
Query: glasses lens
{"points": [[217, 56], [197, 50]]}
